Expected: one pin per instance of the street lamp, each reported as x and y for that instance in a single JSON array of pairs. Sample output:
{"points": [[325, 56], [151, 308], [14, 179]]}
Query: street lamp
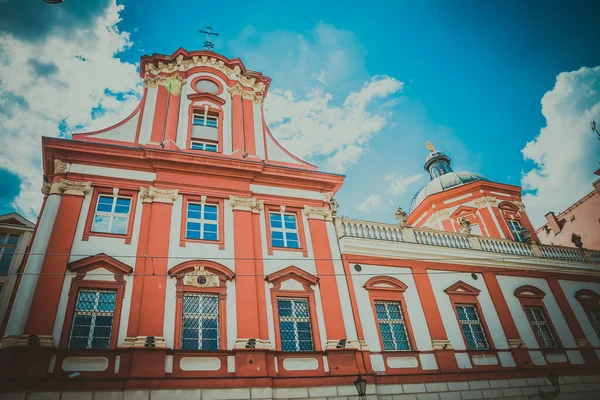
{"points": [[361, 387]]}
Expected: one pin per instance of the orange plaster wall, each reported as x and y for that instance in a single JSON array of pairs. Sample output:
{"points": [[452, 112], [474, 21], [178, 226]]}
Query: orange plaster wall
{"points": [[249, 126], [155, 280], [47, 294], [159, 114], [245, 285], [237, 123]]}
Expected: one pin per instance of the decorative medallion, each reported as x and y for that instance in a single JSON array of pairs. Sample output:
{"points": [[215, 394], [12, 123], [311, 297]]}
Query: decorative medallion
{"points": [[201, 278]]}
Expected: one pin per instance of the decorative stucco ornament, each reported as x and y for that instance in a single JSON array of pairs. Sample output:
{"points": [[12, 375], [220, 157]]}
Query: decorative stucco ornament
{"points": [[317, 213], [60, 167], [246, 204], [152, 194], [465, 225], [401, 216], [201, 278], [526, 235]]}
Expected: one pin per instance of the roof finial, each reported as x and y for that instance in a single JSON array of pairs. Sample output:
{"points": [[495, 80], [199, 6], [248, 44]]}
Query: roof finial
{"points": [[429, 146], [207, 43]]}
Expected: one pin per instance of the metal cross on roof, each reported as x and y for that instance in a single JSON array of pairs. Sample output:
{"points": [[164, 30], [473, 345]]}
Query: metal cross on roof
{"points": [[207, 43]]}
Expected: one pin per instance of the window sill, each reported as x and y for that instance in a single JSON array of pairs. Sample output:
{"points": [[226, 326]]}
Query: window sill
{"points": [[127, 237], [221, 243], [272, 249]]}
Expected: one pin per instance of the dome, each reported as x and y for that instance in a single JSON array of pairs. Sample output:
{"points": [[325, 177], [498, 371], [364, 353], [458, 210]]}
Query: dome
{"points": [[444, 182]]}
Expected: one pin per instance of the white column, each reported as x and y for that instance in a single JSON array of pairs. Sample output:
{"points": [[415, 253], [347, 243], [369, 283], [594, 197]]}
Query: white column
{"points": [[20, 310]]}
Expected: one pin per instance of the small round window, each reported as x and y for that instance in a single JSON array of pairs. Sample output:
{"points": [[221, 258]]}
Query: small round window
{"points": [[206, 86]]}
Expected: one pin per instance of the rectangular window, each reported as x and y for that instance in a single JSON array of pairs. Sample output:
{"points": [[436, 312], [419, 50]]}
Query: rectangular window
{"points": [[594, 317], [475, 230], [541, 329], [294, 325], [515, 228], [392, 325], [202, 221], [471, 327], [93, 319], [112, 214], [284, 230], [211, 121], [8, 245], [200, 322], [202, 145]]}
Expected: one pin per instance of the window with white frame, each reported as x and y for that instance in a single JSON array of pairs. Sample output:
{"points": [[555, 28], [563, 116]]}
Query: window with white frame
{"points": [[200, 322], [8, 245], [205, 119], [202, 221], [515, 228], [204, 145], [295, 328], [539, 324], [93, 319], [392, 325], [284, 230], [594, 317], [112, 214], [471, 326]]}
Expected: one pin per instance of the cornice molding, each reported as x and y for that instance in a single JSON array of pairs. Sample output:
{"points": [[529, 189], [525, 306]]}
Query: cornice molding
{"points": [[74, 188], [321, 213], [157, 195], [183, 64], [246, 204]]}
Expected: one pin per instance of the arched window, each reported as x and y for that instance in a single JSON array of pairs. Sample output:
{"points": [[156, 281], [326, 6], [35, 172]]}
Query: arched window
{"points": [[590, 302], [531, 299], [468, 313]]}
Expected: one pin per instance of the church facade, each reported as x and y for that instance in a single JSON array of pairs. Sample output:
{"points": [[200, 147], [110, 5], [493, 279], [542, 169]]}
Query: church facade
{"points": [[185, 253]]}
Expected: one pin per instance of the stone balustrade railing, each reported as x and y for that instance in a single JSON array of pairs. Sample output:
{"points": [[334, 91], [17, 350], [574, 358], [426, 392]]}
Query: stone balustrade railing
{"points": [[346, 227]]}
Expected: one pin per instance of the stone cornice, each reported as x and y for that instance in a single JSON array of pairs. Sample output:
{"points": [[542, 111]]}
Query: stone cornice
{"points": [[246, 204], [157, 195], [74, 188], [183, 64], [317, 213]]}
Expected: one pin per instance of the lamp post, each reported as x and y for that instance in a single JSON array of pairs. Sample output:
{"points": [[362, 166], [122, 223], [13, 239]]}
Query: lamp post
{"points": [[361, 387]]}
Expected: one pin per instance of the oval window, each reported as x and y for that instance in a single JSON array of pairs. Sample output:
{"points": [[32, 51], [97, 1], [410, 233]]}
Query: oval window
{"points": [[204, 85]]}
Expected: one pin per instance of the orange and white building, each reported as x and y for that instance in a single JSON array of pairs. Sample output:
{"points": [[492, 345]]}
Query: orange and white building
{"points": [[183, 253]]}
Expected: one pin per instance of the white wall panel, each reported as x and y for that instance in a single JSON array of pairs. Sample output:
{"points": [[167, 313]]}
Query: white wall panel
{"points": [[572, 287]]}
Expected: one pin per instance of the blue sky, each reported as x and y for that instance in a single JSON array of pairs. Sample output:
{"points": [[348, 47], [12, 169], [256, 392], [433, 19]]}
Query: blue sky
{"points": [[467, 75]]}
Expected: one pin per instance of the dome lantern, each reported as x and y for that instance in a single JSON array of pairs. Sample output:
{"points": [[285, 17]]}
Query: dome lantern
{"points": [[436, 163]]}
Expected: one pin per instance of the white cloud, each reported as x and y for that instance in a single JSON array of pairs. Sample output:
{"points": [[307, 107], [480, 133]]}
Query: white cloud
{"points": [[370, 203], [310, 126], [566, 152], [56, 82], [398, 183]]}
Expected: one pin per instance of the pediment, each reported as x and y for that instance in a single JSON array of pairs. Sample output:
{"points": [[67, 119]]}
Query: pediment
{"points": [[462, 288], [529, 292], [385, 283], [292, 272], [461, 211]]}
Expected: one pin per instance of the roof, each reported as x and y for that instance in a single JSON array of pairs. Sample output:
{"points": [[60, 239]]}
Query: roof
{"points": [[443, 183]]}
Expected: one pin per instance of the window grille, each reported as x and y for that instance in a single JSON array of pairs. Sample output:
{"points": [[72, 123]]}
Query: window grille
{"points": [[200, 322], [93, 319], [8, 245], [294, 325], [594, 317], [284, 230], [202, 221], [112, 214], [541, 329], [472, 327], [392, 325], [515, 228]]}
